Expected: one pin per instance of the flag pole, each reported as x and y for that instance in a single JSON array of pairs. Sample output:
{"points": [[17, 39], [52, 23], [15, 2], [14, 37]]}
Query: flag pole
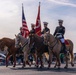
{"points": [[38, 22], [39, 3], [24, 24]]}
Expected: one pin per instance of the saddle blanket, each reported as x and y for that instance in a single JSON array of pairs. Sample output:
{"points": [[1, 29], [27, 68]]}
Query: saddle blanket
{"points": [[66, 42]]}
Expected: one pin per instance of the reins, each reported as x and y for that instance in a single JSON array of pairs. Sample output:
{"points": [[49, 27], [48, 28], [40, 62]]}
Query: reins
{"points": [[24, 45], [52, 43]]}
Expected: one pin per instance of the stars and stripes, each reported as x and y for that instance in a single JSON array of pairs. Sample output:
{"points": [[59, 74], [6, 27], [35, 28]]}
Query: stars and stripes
{"points": [[24, 24]]}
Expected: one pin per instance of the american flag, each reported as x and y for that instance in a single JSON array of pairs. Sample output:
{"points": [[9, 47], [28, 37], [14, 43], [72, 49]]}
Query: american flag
{"points": [[24, 24]]}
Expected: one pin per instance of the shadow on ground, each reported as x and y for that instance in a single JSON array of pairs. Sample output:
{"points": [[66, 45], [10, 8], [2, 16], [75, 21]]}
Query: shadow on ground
{"points": [[69, 70]]}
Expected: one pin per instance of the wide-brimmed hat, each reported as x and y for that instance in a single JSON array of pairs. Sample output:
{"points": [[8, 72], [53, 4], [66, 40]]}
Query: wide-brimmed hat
{"points": [[60, 20], [45, 23], [32, 24]]}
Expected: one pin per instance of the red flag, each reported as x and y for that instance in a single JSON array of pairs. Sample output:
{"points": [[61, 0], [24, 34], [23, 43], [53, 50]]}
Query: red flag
{"points": [[38, 22], [24, 24]]}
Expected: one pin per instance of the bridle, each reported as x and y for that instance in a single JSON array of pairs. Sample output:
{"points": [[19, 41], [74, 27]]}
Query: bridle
{"points": [[50, 44]]}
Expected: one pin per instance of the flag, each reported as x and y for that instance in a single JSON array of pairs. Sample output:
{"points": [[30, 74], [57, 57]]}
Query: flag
{"points": [[24, 24], [38, 22]]}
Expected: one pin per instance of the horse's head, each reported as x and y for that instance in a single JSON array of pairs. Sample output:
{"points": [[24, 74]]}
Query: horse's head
{"points": [[17, 41], [46, 38], [2, 45], [32, 39]]}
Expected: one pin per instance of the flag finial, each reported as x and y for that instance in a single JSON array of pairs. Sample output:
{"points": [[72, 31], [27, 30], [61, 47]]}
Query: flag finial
{"points": [[39, 3], [22, 4]]}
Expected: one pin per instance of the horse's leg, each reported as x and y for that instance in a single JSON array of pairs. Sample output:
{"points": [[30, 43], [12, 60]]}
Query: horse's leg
{"points": [[66, 59], [37, 61], [72, 58], [14, 59], [25, 59], [7, 58], [58, 61], [41, 62], [35, 57], [50, 58]]}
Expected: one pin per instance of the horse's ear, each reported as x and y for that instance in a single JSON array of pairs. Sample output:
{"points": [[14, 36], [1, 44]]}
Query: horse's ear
{"points": [[15, 35]]}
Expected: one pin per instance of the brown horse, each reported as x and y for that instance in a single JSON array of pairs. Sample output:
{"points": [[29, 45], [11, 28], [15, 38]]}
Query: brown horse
{"points": [[40, 48], [10, 44], [55, 46]]}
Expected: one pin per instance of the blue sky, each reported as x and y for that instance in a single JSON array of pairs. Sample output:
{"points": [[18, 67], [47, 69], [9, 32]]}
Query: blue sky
{"points": [[51, 11]]}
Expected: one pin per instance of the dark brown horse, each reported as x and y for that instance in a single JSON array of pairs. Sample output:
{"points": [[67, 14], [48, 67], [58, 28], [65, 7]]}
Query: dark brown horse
{"points": [[10, 44], [40, 48]]}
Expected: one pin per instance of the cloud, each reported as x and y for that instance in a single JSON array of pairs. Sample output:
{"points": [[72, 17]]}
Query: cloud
{"points": [[64, 2], [7, 9]]}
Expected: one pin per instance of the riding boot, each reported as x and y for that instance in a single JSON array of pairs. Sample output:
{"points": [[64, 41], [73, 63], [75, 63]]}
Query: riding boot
{"points": [[64, 48]]}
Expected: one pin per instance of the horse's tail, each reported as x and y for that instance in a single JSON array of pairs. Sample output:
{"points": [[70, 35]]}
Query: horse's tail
{"points": [[71, 51], [46, 55]]}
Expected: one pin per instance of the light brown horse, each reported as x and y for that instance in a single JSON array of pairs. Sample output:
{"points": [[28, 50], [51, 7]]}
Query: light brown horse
{"points": [[10, 44], [24, 42], [55, 46]]}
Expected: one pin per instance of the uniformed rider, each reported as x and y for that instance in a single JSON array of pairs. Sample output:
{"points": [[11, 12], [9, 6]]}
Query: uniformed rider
{"points": [[21, 31], [59, 33], [32, 28], [46, 29], [32, 31]]}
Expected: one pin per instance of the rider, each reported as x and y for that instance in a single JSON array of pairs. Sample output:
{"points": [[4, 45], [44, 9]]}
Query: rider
{"points": [[59, 33], [21, 31], [32, 31], [46, 29], [32, 28]]}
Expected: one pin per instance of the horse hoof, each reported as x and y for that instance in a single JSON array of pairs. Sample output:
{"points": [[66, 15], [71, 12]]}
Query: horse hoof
{"points": [[6, 65], [13, 66], [37, 66], [30, 65], [72, 65], [54, 66], [58, 68], [48, 66], [23, 66], [41, 66], [65, 67]]}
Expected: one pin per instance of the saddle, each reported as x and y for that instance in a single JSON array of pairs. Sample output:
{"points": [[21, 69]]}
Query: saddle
{"points": [[66, 44]]}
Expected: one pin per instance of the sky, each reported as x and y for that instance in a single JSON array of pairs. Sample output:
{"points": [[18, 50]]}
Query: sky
{"points": [[51, 11]]}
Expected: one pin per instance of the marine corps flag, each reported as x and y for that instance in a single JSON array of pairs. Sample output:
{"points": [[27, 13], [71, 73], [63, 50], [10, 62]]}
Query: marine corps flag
{"points": [[24, 24], [38, 23]]}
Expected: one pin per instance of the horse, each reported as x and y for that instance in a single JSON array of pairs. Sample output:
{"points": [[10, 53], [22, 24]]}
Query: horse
{"points": [[40, 47], [24, 43], [11, 50], [55, 46]]}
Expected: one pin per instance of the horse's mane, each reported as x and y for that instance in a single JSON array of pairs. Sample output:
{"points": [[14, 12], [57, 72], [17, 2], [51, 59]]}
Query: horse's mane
{"points": [[7, 39], [38, 37]]}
